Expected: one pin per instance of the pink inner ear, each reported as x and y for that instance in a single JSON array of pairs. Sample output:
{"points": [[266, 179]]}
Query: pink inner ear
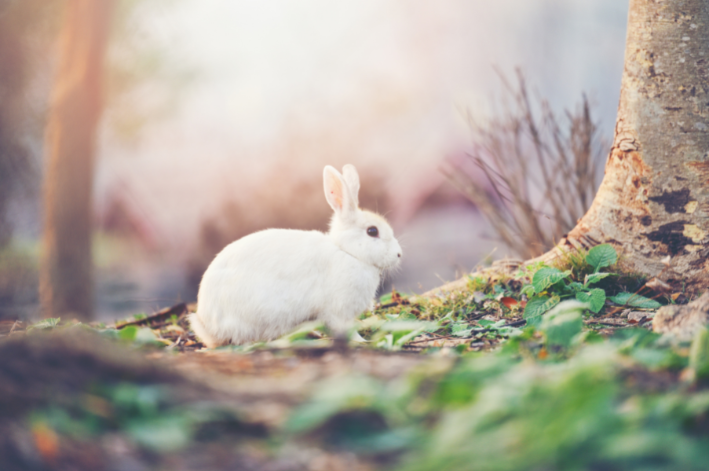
{"points": [[335, 188]]}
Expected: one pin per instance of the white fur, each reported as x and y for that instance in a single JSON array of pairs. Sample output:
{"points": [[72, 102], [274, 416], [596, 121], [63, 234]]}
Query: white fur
{"points": [[265, 284]]}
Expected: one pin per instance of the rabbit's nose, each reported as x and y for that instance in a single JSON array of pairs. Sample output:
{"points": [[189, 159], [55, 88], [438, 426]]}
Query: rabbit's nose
{"points": [[398, 255]]}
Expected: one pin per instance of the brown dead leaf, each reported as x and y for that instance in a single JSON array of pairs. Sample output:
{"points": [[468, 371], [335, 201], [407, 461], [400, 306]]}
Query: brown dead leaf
{"points": [[46, 441], [509, 302]]}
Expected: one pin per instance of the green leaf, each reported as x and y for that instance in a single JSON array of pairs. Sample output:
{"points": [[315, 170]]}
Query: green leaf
{"points": [[162, 434], [699, 354], [461, 329], [600, 256], [545, 277], [596, 298], [145, 335], [45, 324], [652, 358], [352, 392], [562, 328], [576, 286], [595, 278], [538, 306], [409, 326], [635, 300], [142, 335], [128, 333], [528, 290]]}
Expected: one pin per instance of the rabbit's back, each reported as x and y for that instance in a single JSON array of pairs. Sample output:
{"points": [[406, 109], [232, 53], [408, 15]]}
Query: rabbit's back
{"points": [[264, 284]]}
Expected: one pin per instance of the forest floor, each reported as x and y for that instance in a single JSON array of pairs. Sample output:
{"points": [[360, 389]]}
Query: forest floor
{"points": [[551, 367]]}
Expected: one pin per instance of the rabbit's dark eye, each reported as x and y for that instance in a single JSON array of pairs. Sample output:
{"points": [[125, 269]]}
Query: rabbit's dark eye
{"points": [[372, 231]]}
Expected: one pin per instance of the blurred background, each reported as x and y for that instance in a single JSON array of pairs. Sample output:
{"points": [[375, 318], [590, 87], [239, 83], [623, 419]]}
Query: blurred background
{"points": [[220, 114]]}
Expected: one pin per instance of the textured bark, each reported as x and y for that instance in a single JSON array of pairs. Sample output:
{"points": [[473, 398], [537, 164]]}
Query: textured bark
{"points": [[684, 322], [66, 270], [654, 199], [653, 202]]}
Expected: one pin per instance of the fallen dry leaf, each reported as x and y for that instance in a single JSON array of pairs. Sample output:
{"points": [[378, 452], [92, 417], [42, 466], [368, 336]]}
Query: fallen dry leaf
{"points": [[509, 302]]}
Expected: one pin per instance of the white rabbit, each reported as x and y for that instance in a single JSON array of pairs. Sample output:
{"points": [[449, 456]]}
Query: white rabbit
{"points": [[265, 284]]}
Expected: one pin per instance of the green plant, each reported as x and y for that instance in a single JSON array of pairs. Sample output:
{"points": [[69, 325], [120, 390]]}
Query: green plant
{"points": [[550, 285]]}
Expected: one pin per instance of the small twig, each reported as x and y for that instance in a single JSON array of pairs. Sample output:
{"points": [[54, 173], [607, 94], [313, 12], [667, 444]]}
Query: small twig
{"points": [[177, 309]]}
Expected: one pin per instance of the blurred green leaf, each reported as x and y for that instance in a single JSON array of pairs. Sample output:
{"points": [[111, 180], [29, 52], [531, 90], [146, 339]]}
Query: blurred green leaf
{"points": [[163, 433], [596, 298], [595, 278], [332, 396], [128, 333], [546, 277], [576, 286], [699, 354], [528, 290], [601, 256], [409, 326], [461, 329], [537, 306], [635, 300], [45, 324], [560, 329]]}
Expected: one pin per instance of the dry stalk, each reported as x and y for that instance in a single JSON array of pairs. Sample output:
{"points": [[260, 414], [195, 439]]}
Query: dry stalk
{"points": [[540, 178]]}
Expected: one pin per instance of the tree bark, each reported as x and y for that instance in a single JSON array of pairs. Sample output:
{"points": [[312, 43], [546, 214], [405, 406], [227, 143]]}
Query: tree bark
{"points": [[653, 203], [66, 287]]}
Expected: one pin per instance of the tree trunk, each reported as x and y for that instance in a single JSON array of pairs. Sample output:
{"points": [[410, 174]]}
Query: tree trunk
{"points": [[653, 202], [66, 287]]}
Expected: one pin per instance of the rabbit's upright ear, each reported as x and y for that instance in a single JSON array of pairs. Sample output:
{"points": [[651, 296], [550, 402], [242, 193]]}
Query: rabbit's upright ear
{"points": [[337, 192], [349, 172]]}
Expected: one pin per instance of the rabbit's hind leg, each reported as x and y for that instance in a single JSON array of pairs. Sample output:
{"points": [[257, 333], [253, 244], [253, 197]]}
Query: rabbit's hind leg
{"points": [[201, 332]]}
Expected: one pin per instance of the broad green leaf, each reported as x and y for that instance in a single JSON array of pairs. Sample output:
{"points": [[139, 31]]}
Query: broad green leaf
{"points": [[538, 306], [560, 329], [595, 278], [576, 286], [528, 290], [600, 256], [128, 333], [635, 300], [596, 298], [545, 277]]}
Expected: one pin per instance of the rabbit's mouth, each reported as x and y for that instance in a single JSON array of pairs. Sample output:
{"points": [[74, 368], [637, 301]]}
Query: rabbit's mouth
{"points": [[390, 267]]}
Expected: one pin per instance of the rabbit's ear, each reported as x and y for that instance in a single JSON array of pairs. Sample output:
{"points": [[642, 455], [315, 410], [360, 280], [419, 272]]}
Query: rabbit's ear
{"points": [[349, 172], [336, 191]]}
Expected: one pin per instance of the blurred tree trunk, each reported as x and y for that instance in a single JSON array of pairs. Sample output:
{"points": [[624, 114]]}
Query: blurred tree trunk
{"points": [[653, 203], [66, 285]]}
